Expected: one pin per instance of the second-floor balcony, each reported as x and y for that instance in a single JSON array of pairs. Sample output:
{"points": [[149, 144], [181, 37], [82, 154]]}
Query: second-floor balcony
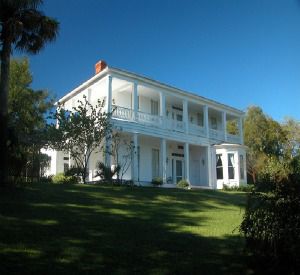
{"points": [[148, 105], [171, 124]]}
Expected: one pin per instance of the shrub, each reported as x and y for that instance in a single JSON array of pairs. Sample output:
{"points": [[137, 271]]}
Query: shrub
{"points": [[60, 178], [274, 170], [46, 179], [74, 171], [242, 188], [157, 181], [183, 184], [271, 226], [106, 173]]}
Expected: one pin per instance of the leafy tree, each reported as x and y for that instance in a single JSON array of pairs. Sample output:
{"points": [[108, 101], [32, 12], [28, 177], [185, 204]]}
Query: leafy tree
{"points": [[80, 132], [27, 29], [272, 217], [26, 121], [264, 138], [292, 130], [262, 133], [232, 127]]}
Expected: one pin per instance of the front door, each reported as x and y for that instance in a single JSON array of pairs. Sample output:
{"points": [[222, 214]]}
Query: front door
{"points": [[177, 167]]}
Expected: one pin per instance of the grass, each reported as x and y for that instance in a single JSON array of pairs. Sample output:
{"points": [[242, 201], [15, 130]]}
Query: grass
{"points": [[80, 229]]}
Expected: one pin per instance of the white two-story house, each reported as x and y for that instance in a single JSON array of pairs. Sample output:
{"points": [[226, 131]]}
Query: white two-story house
{"points": [[176, 134]]}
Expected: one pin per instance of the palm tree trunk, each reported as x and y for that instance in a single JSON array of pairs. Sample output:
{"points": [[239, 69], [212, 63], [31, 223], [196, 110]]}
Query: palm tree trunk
{"points": [[4, 82]]}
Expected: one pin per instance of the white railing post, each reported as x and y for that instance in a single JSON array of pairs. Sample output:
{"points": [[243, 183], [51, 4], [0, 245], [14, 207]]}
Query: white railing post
{"points": [[162, 107], [241, 130], [224, 125], [135, 100], [185, 116], [205, 118], [109, 94]]}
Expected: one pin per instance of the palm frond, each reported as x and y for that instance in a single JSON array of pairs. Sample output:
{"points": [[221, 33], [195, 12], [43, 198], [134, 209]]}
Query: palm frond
{"points": [[10, 7], [25, 26]]}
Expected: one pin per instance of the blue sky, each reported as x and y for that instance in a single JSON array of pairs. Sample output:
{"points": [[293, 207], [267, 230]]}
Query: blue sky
{"points": [[237, 52]]}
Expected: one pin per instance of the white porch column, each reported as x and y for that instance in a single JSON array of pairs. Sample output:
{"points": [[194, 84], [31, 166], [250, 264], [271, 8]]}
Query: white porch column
{"points": [[205, 118], [241, 132], [185, 116], [135, 165], [107, 157], [162, 108], [210, 167], [187, 162], [135, 100], [163, 159], [224, 125], [237, 167], [108, 102]]}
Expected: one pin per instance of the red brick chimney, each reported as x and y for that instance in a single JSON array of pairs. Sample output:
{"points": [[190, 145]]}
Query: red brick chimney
{"points": [[100, 66]]}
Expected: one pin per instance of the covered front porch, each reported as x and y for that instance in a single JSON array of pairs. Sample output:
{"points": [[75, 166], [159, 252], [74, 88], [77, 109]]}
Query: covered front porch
{"points": [[167, 159]]}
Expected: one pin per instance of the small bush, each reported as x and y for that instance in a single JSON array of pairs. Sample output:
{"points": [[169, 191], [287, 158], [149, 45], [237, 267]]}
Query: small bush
{"points": [[243, 188], [183, 184], [271, 227], [46, 179], [157, 181], [63, 179], [74, 171], [106, 173]]}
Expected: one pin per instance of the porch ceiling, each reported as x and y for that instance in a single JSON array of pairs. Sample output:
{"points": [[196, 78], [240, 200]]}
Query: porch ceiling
{"points": [[193, 107], [148, 92], [174, 101], [121, 86]]}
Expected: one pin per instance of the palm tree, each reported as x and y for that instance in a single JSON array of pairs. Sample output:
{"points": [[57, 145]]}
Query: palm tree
{"points": [[27, 29]]}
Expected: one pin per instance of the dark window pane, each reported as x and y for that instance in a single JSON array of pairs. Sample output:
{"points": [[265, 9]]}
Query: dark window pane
{"points": [[242, 167], [231, 173], [231, 166], [219, 173], [219, 167], [219, 161]]}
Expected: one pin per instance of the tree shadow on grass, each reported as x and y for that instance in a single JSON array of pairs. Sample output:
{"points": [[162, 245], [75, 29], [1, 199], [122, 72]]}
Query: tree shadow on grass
{"points": [[47, 229]]}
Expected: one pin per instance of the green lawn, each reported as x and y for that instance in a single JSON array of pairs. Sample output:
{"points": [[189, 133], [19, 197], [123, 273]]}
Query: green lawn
{"points": [[80, 229]]}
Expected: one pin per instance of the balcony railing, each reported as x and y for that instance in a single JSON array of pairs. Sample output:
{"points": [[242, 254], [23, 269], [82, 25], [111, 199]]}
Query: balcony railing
{"points": [[216, 134], [195, 129], [122, 113], [148, 118], [171, 124], [176, 125], [128, 114]]}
